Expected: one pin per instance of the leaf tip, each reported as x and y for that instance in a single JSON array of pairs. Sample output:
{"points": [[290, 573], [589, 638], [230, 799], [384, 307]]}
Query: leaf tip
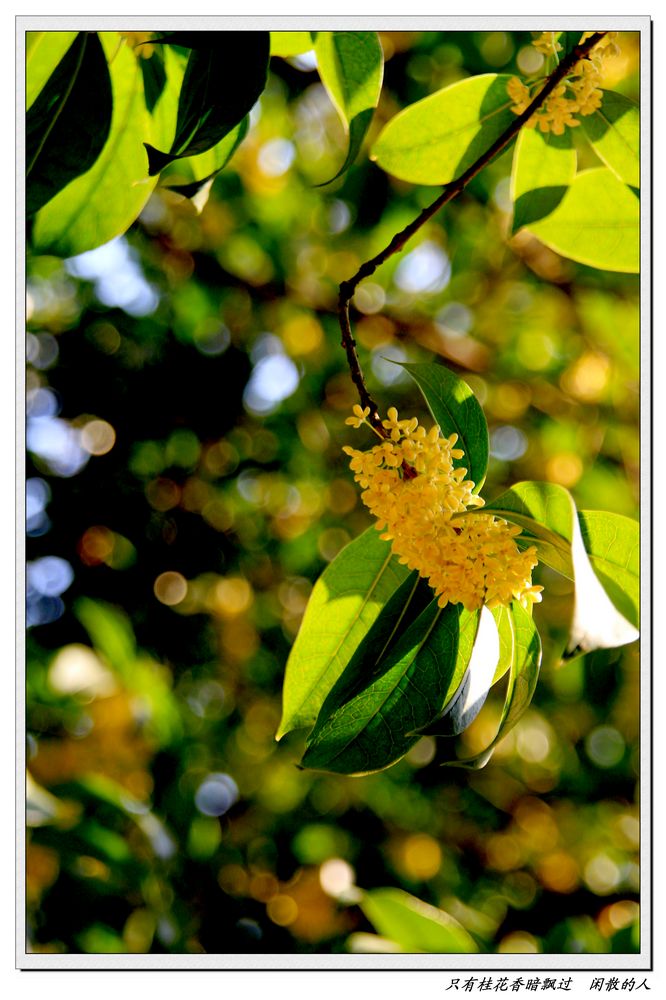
{"points": [[157, 160]]}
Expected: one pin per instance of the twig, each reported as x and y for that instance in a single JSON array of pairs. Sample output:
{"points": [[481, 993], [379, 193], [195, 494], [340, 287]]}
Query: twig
{"points": [[450, 191]]}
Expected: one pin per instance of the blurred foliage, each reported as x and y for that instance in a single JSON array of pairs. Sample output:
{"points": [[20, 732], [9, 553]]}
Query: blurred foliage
{"points": [[186, 401]]}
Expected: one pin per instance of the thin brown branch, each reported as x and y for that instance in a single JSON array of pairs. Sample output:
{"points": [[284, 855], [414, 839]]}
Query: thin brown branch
{"points": [[450, 191]]}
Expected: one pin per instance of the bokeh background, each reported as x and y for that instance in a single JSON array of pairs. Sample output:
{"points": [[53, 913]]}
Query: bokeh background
{"points": [[186, 398]]}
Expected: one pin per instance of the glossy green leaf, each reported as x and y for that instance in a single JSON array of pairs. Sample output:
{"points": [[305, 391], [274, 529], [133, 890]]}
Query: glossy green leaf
{"points": [[456, 409], [414, 925], [103, 202], [403, 693], [344, 603], [525, 660], [434, 140], [43, 52], [596, 223], [547, 515], [613, 544], [351, 67], [614, 131], [68, 123], [224, 77], [290, 43], [544, 165]]}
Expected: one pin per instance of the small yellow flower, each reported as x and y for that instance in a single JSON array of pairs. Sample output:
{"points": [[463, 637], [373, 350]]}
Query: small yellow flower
{"points": [[470, 560], [558, 110], [360, 416], [547, 43]]}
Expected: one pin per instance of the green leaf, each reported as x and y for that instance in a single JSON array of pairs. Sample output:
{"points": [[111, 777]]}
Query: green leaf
{"points": [[205, 167], [456, 409], [224, 77], [434, 140], [414, 925], [544, 165], [403, 693], [290, 43], [68, 123], [525, 660], [596, 223], [613, 544], [504, 632], [44, 50], [351, 67], [103, 202], [614, 131], [569, 40], [402, 608], [344, 603], [547, 515], [481, 660]]}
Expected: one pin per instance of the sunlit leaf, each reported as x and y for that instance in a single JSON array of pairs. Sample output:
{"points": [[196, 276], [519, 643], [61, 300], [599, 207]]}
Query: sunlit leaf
{"points": [[614, 131], [351, 67], [103, 202], [399, 697], [543, 167], [457, 411], [414, 925], [344, 603], [43, 52], [434, 140], [547, 515], [224, 77], [68, 123], [525, 660], [596, 223], [290, 43], [613, 544]]}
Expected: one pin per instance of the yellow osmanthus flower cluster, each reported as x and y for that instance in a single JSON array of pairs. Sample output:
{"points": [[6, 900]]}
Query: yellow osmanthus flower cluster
{"points": [[410, 485], [578, 94]]}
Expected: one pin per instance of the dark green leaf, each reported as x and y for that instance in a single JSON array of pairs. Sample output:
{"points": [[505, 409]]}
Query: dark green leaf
{"points": [[569, 40], [416, 676], [223, 79], [414, 925], [614, 131], [405, 605], [434, 140], [351, 67], [525, 660], [544, 165], [456, 409], [344, 603], [69, 122], [154, 78]]}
